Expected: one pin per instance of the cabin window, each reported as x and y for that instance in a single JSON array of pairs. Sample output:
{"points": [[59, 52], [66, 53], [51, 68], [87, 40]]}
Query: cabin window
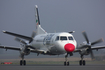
{"points": [[57, 38], [63, 38]]}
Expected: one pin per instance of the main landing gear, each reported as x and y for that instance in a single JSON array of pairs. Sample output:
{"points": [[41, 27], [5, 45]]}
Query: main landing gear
{"points": [[82, 62], [22, 62]]}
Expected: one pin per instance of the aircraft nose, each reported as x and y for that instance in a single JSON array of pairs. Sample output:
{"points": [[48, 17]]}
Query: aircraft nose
{"points": [[69, 47]]}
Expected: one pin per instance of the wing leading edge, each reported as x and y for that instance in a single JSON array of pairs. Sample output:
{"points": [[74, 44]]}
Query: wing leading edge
{"points": [[93, 48], [18, 35], [19, 49], [12, 48]]}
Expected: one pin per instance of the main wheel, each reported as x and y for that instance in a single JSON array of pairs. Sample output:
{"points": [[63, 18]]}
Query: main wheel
{"points": [[80, 62], [65, 63], [20, 62], [24, 62], [83, 62]]}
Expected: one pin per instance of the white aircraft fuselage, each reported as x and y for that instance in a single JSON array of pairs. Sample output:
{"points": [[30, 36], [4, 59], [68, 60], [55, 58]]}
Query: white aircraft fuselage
{"points": [[55, 43]]}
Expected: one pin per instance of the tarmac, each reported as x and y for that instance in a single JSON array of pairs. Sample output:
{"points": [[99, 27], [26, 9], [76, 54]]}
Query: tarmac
{"points": [[52, 67]]}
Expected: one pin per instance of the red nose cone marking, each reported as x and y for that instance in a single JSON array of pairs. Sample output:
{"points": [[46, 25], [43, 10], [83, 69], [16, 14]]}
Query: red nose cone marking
{"points": [[69, 47]]}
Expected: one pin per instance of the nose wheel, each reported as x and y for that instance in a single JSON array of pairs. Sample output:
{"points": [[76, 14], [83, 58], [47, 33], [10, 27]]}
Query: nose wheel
{"points": [[66, 63]]}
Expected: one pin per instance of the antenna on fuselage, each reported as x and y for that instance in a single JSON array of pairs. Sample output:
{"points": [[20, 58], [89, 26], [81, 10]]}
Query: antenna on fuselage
{"points": [[71, 32]]}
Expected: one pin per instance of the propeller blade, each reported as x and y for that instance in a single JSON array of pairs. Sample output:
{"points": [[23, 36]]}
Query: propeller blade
{"points": [[91, 54], [98, 41], [19, 40], [33, 34], [85, 36]]}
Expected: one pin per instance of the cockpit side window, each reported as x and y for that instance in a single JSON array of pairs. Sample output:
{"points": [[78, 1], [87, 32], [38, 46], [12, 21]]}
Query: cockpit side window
{"points": [[63, 38], [57, 38], [70, 38]]}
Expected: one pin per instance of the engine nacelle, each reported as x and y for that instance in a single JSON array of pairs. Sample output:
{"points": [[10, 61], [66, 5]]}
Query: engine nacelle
{"points": [[25, 50], [84, 52]]}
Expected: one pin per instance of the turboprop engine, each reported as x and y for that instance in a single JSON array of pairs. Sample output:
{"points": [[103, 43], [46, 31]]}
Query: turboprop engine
{"points": [[24, 50]]}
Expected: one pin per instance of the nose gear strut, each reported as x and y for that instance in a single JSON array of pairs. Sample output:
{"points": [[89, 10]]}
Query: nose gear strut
{"points": [[66, 61]]}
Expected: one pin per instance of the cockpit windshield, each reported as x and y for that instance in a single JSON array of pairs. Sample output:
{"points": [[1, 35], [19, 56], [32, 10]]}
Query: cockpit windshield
{"points": [[57, 38], [70, 38], [63, 38]]}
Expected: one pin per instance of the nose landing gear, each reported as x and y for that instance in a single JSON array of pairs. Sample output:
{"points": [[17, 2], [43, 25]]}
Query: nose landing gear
{"points": [[66, 61]]}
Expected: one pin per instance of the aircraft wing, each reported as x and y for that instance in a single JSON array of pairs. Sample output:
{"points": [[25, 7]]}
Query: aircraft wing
{"points": [[93, 48], [19, 49], [37, 51], [98, 47], [18, 35], [12, 48]]}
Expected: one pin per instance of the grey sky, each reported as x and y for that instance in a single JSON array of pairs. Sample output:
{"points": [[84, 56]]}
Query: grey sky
{"points": [[18, 16]]}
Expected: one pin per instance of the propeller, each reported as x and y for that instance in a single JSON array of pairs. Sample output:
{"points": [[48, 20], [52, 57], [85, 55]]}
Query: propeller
{"points": [[32, 36], [89, 44], [24, 42], [85, 36], [20, 40], [25, 50], [98, 41]]}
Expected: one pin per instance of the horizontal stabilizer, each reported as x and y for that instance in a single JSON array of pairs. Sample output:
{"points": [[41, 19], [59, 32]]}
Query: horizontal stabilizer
{"points": [[18, 35]]}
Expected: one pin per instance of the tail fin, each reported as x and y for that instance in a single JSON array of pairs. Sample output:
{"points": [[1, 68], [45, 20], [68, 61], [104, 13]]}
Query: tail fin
{"points": [[39, 29]]}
